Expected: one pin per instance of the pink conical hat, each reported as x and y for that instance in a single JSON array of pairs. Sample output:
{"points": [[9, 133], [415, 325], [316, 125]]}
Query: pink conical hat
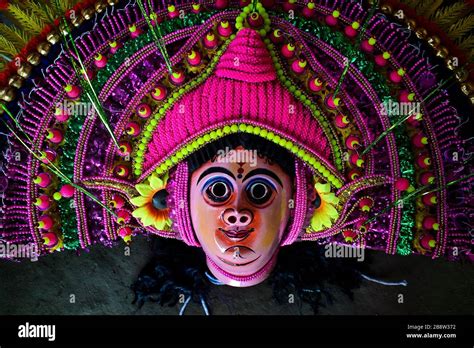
{"points": [[243, 88], [247, 59]]}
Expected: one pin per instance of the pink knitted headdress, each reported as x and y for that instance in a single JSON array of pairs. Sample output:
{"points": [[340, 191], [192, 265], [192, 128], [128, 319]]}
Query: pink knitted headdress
{"points": [[243, 89]]}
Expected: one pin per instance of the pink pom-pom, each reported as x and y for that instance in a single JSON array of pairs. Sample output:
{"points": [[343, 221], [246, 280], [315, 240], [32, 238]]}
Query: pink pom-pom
{"points": [[402, 184], [144, 110], [350, 31], [315, 84], [45, 222], [100, 61], [221, 4], [288, 50], [67, 191], [349, 236], [124, 232], [177, 78], [332, 102], [429, 199], [122, 171], [419, 140], [427, 241], [159, 93], [123, 216], [61, 115], [299, 66], [43, 180], [50, 239], [356, 160], [255, 20], [331, 20], [72, 92], [380, 60], [352, 142], [366, 46], [55, 136], [366, 203], [210, 40], [289, 5], [133, 129], [423, 160], [115, 46], [395, 77], [48, 156], [43, 202], [426, 178], [430, 223], [354, 174], [125, 148], [341, 121], [117, 201], [277, 36]]}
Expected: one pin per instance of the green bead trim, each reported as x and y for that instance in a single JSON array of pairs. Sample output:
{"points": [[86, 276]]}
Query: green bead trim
{"points": [[152, 123], [320, 167], [67, 210], [306, 100]]}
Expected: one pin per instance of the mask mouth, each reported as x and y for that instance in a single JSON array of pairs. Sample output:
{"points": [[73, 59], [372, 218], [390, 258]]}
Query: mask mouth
{"points": [[237, 235]]}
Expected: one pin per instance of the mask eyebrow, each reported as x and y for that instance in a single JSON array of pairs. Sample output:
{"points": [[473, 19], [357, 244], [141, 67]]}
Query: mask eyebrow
{"points": [[264, 172], [215, 170]]}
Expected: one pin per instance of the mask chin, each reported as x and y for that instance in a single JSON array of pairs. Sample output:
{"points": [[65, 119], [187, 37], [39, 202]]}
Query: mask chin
{"points": [[243, 281]]}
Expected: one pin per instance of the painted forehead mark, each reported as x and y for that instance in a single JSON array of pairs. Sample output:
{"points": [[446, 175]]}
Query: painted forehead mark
{"points": [[264, 172], [241, 170], [215, 170]]}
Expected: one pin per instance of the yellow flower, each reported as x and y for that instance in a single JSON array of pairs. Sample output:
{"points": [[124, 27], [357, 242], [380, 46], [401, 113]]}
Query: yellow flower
{"points": [[151, 211], [326, 213]]}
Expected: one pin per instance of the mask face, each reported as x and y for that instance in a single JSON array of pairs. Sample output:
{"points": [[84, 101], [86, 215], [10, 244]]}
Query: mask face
{"points": [[239, 211]]}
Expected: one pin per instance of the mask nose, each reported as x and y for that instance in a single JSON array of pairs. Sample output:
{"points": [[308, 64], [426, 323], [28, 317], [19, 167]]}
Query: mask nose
{"points": [[236, 218]]}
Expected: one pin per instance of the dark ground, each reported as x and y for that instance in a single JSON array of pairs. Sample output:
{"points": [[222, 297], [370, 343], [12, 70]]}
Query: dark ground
{"points": [[100, 282]]}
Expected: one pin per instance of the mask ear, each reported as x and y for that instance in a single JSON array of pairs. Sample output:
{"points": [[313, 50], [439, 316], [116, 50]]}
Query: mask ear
{"points": [[300, 205], [180, 214]]}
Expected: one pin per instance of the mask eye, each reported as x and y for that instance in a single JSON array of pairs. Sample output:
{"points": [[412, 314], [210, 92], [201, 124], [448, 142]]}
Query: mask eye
{"points": [[218, 190], [259, 191]]}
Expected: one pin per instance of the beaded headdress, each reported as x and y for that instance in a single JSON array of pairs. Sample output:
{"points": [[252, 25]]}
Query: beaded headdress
{"points": [[107, 104]]}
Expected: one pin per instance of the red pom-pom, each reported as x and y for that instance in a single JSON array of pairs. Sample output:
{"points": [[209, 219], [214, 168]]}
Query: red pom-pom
{"points": [[402, 184], [3, 4]]}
